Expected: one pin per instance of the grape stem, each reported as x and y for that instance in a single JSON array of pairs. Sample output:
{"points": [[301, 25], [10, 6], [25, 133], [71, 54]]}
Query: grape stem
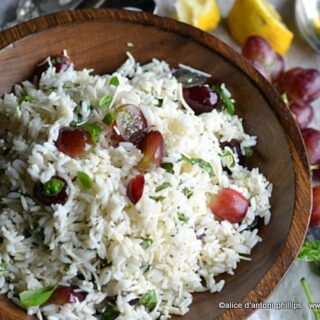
{"points": [[314, 167]]}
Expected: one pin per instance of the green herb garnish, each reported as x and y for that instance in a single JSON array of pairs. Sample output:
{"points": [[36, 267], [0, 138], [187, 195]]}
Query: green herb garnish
{"points": [[4, 266], [248, 151], [187, 192], [110, 314], [168, 166], [201, 163], [53, 187], [149, 300], [108, 118], [146, 243], [57, 59], [147, 268], [114, 81], [25, 99], [85, 182], [227, 103], [105, 101], [310, 251], [163, 186], [228, 157], [157, 198], [182, 217], [73, 124], [160, 103], [94, 131], [36, 297]]}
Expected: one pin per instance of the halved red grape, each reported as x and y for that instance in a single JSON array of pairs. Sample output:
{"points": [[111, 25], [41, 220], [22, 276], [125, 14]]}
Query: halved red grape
{"points": [[130, 124], [72, 141], [303, 114], [54, 191], [263, 57], [301, 85], [311, 139], [228, 204], [60, 62], [63, 295], [135, 188], [201, 99], [152, 147], [315, 215]]}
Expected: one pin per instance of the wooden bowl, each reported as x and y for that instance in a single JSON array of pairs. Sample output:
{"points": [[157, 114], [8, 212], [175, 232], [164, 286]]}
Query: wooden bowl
{"points": [[98, 39]]}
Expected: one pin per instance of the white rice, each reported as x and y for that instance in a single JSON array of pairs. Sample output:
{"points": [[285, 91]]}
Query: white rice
{"points": [[68, 243]]}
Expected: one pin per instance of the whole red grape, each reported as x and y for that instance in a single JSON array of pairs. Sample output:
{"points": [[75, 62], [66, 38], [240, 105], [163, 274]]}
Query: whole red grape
{"points": [[311, 139], [303, 114], [315, 215]]}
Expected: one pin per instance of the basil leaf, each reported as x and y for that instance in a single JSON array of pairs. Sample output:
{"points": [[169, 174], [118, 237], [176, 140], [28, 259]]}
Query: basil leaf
{"points": [[105, 101], [182, 217], [187, 192], [227, 103], [147, 243], [228, 156], [248, 151], [168, 166], [201, 163], [310, 251], [94, 131], [108, 119], [149, 300], [53, 187], [110, 314], [25, 99], [85, 182], [163, 186], [36, 297], [114, 81]]}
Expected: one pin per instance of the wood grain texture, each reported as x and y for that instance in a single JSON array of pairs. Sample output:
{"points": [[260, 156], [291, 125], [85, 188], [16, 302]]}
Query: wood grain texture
{"points": [[98, 39]]}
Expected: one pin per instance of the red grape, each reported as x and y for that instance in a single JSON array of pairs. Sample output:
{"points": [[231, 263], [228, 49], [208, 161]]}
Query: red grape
{"points": [[201, 99], [301, 85], [315, 215], [72, 141], [303, 114], [228, 204], [311, 139], [234, 145], [263, 57], [60, 62], [135, 188], [63, 295], [152, 147], [55, 191], [130, 124]]}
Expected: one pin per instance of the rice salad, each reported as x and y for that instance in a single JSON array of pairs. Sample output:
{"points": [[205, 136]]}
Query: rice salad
{"points": [[102, 219]]}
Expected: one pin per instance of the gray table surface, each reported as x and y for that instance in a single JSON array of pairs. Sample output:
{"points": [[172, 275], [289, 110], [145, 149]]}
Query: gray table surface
{"points": [[299, 55]]}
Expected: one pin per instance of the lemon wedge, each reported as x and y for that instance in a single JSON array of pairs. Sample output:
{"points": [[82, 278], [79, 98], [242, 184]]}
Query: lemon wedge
{"points": [[203, 14], [258, 17]]}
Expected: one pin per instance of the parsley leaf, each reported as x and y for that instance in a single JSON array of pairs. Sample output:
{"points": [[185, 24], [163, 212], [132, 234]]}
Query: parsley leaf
{"points": [[187, 192], [105, 101], [94, 131], [149, 300], [114, 81], [227, 103], [85, 182], [201, 163]]}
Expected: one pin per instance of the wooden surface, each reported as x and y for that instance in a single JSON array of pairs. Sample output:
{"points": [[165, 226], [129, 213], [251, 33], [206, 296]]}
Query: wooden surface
{"points": [[98, 39]]}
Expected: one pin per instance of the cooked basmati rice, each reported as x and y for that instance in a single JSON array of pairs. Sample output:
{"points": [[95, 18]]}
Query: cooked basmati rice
{"points": [[95, 240]]}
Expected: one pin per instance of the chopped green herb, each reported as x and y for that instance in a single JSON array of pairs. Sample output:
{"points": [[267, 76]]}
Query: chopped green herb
{"points": [[201, 163], [105, 101], [36, 297], [157, 198], [168, 166], [147, 269], [228, 157], [4, 266], [160, 103], [182, 217], [67, 267], [149, 300], [248, 151], [187, 192], [25, 99], [110, 314], [73, 124], [227, 103], [85, 182], [108, 119], [114, 81], [163, 186], [146, 243], [94, 131], [57, 59], [310, 251], [53, 187]]}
